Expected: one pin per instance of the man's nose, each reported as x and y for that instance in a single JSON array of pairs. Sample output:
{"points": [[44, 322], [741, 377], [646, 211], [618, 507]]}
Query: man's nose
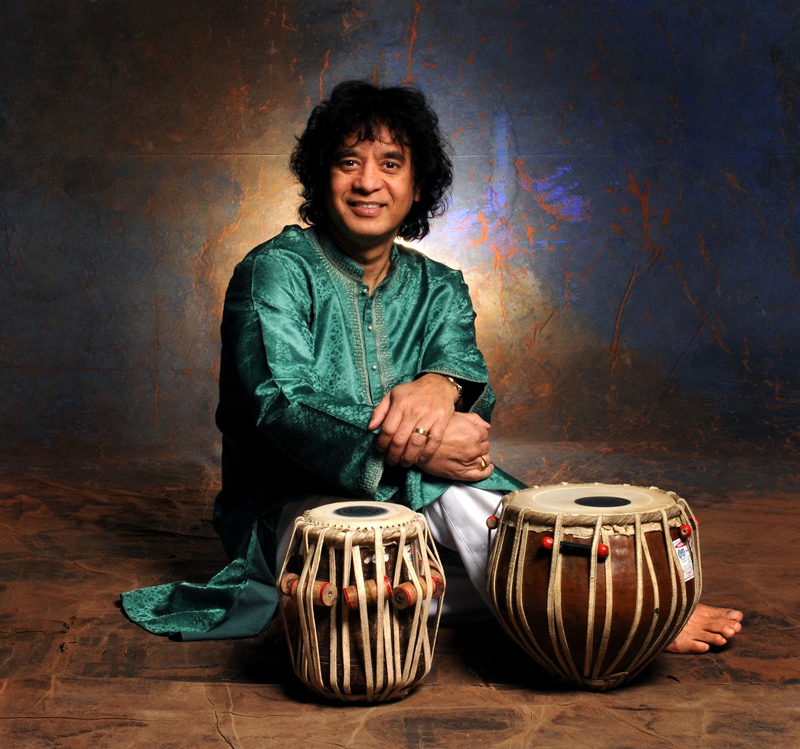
{"points": [[368, 178]]}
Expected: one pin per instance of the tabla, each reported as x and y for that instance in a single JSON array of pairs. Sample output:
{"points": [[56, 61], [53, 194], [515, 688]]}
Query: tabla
{"points": [[594, 580], [362, 577]]}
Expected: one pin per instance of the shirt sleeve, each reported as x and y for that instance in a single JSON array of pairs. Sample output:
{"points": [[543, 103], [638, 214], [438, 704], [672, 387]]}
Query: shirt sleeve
{"points": [[269, 377], [451, 347]]}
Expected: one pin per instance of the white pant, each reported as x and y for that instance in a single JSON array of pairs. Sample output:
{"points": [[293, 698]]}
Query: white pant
{"points": [[457, 521]]}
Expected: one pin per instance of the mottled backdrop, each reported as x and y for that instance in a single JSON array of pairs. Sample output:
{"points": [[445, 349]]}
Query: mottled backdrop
{"points": [[625, 208]]}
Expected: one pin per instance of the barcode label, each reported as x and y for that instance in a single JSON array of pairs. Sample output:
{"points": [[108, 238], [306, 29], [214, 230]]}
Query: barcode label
{"points": [[685, 558]]}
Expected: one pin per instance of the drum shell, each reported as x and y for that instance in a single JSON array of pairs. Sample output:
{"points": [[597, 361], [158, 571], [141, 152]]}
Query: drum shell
{"points": [[383, 641], [557, 615]]}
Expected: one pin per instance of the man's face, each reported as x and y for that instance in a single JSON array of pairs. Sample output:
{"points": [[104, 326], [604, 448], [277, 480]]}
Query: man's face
{"points": [[371, 191]]}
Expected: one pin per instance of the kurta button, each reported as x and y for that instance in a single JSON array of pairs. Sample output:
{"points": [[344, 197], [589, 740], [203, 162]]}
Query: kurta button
{"points": [[364, 291], [374, 367], [369, 327]]}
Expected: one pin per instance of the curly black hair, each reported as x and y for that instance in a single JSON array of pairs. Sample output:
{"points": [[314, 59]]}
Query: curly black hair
{"points": [[360, 108]]}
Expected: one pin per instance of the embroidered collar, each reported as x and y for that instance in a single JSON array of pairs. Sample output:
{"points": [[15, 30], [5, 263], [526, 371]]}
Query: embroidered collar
{"points": [[346, 265]]}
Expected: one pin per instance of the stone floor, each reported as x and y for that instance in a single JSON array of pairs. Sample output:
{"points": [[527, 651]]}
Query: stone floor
{"points": [[74, 672]]}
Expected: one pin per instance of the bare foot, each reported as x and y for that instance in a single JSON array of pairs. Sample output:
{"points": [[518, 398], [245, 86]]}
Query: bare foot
{"points": [[706, 627]]}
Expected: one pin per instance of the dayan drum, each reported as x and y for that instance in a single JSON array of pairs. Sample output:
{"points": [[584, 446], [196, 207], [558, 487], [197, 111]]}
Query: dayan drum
{"points": [[594, 580], [357, 585]]}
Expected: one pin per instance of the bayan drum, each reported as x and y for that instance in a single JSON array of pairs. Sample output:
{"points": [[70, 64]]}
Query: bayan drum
{"points": [[357, 585], [594, 580]]}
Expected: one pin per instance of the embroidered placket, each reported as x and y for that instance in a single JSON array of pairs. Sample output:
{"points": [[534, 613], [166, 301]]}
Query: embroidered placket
{"points": [[370, 347]]}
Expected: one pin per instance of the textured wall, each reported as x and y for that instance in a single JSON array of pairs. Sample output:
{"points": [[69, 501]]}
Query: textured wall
{"points": [[625, 205]]}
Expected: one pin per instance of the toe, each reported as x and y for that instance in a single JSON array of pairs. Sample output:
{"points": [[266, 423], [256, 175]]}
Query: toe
{"points": [[695, 646]]}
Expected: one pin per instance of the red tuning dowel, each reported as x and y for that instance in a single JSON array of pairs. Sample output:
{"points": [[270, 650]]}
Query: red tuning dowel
{"points": [[287, 583], [323, 593], [405, 595], [350, 593]]}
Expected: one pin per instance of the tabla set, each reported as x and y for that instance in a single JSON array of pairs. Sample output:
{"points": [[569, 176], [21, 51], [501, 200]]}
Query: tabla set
{"points": [[592, 580]]}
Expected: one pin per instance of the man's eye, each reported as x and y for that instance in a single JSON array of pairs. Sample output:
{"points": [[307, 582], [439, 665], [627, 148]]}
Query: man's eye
{"points": [[392, 165]]}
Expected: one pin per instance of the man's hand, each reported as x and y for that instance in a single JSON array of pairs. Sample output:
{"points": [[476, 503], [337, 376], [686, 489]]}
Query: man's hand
{"points": [[426, 403], [463, 451]]}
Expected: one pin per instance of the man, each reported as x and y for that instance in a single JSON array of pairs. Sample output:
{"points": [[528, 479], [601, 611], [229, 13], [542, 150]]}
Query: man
{"points": [[350, 369]]}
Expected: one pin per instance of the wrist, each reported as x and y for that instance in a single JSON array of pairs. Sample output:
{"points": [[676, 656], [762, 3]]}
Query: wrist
{"points": [[451, 384], [459, 390]]}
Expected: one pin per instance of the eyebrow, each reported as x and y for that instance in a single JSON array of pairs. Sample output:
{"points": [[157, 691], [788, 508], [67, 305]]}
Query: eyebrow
{"points": [[397, 155]]}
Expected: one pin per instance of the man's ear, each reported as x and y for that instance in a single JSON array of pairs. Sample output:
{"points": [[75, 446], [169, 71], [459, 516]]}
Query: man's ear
{"points": [[416, 194]]}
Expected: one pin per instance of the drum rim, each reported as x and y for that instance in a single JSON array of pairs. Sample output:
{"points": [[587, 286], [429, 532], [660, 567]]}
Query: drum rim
{"points": [[613, 515], [405, 522], [399, 515]]}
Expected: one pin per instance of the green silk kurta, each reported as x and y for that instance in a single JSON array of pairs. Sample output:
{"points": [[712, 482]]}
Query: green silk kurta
{"points": [[307, 353]]}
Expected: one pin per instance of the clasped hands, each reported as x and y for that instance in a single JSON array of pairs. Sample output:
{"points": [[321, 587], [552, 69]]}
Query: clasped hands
{"points": [[456, 445]]}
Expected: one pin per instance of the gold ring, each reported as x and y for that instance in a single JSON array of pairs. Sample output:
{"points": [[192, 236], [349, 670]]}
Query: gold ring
{"points": [[483, 464], [423, 432]]}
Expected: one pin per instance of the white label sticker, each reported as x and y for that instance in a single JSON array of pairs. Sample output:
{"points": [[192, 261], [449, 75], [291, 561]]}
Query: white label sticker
{"points": [[685, 558]]}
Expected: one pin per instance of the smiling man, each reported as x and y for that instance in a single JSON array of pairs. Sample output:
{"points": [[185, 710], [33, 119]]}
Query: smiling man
{"points": [[350, 369], [349, 364]]}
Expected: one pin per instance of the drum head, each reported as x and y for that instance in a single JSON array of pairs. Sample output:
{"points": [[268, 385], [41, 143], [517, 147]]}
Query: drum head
{"points": [[360, 514], [592, 499]]}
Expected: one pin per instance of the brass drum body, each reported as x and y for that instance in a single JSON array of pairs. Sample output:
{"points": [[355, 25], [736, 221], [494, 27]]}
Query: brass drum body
{"points": [[591, 620], [347, 639]]}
